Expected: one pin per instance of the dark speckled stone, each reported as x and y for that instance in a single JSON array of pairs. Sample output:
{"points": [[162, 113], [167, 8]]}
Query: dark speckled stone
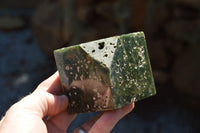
{"points": [[105, 74]]}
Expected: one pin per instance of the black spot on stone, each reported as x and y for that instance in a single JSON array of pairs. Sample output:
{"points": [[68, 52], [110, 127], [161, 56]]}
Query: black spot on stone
{"points": [[101, 45], [111, 43], [117, 62], [106, 55]]}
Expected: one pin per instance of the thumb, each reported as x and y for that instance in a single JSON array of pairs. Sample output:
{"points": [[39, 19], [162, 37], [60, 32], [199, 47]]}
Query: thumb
{"points": [[43, 103]]}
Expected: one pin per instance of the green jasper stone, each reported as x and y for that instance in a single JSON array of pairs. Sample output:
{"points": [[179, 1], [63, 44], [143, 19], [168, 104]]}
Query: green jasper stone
{"points": [[105, 74]]}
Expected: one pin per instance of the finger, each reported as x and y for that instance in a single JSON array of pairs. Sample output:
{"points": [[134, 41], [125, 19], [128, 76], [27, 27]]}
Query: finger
{"points": [[109, 119], [51, 85], [62, 120], [52, 128], [88, 125], [45, 103]]}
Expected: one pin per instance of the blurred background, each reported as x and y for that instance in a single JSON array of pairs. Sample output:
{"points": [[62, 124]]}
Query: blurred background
{"points": [[31, 29]]}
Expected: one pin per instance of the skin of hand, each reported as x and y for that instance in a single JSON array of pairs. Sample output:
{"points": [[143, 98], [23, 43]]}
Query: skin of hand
{"points": [[28, 115]]}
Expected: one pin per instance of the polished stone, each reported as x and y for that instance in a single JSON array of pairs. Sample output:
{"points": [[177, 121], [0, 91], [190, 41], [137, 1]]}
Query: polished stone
{"points": [[105, 74]]}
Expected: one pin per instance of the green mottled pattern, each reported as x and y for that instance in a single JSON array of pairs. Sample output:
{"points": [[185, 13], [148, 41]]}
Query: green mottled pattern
{"points": [[131, 73]]}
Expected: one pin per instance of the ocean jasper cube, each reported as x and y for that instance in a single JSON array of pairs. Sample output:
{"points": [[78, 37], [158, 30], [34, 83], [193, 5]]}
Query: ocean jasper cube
{"points": [[105, 74]]}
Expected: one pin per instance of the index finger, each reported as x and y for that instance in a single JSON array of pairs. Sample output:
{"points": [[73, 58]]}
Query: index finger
{"points": [[51, 85]]}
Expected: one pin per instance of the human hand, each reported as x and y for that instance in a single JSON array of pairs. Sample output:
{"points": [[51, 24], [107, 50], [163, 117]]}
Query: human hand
{"points": [[28, 115]]}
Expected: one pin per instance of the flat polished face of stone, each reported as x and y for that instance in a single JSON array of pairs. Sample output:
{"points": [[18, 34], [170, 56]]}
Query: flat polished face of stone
{"points": [[105, 74]]}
